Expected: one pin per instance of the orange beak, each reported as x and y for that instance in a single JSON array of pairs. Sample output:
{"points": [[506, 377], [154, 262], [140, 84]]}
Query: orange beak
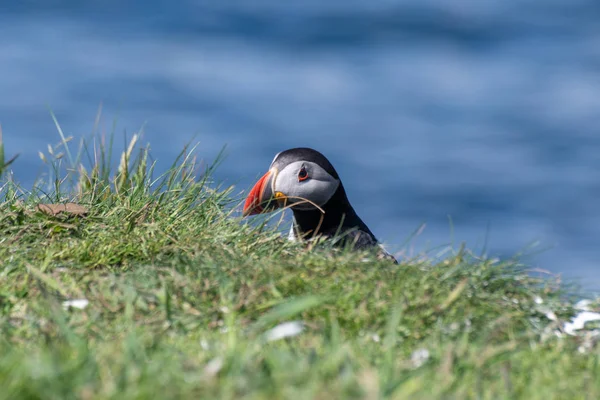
{"points": [[259, 198]]}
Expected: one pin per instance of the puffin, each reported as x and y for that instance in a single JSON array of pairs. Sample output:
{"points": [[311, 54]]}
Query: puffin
{"points": [[304, 180]]}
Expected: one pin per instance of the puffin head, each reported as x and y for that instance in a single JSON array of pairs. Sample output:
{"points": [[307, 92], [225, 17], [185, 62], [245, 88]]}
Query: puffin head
{"points": [[300, 178]]}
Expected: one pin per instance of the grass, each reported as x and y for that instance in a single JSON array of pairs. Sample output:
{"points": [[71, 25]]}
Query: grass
{"points": [[186, 300]]}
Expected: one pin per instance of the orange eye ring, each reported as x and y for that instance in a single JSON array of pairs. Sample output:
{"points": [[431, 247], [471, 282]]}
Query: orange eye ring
{"points": [[302, 174]]}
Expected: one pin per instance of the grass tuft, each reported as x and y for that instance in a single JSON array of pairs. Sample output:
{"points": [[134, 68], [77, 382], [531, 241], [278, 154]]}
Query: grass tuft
{"points": [[184, 300], [4, 163]]}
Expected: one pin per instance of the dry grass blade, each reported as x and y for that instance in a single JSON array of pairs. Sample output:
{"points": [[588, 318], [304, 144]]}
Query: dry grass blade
{"points": [[304, 201], [454, 294], [123, 170], [70, 209], [3, 162]]}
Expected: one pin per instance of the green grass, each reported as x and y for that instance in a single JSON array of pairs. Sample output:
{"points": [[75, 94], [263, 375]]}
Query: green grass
{"points": [[183, 294]]}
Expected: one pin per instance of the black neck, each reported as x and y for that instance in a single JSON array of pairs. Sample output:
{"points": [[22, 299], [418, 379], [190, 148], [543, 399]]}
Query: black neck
{"points": [[339, 217]]}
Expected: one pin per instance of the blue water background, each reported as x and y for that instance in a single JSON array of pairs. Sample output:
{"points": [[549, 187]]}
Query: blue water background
{"points": [[487, 112]]}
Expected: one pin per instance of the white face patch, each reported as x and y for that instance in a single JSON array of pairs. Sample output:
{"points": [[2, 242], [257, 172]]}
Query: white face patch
{"points": [[318, 187]]}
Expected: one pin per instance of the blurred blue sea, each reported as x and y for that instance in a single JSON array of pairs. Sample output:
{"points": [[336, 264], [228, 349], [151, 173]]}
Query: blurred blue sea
{"points": [[488, 112]]}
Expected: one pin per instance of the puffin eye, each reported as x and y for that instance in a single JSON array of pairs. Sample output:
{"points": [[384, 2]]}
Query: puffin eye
{"points": [[302, 174]]}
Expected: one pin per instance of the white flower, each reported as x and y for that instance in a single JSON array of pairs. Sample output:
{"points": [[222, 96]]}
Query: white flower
{"points": [[544, 310], [75, 303], [213, 367], [583, 305], [419, 357], [286, 329]]}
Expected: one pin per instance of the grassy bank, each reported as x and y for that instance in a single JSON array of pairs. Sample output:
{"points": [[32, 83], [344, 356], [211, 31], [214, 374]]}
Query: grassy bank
{"points": [[185, 300]]}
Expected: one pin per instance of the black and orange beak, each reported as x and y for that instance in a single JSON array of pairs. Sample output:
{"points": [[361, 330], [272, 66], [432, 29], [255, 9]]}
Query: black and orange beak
{"points": [[261, 197]]}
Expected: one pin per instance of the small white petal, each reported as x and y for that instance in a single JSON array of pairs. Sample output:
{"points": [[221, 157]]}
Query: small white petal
{"points": [[76, 303], [550, 315], [286, 329], [419, 357], [376, 338], [583, 305], [538, 300], [213, 367]]}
